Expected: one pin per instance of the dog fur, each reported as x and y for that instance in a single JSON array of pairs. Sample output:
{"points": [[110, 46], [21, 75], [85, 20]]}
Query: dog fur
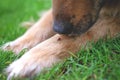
{"points": [[46, 47]]}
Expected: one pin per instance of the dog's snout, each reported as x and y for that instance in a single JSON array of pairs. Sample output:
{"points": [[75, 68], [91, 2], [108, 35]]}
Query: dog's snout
{"points": [[62, 27]]}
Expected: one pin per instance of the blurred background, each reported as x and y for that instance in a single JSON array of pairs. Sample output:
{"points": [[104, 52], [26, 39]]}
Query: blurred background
{"points": [[14, 12]]}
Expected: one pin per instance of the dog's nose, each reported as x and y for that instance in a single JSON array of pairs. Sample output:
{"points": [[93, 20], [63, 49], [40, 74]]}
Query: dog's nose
{"points": [[62, 27]]}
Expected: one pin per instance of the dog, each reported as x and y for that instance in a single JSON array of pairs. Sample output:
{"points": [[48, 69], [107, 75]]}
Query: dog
{"points": [[65, 28]]}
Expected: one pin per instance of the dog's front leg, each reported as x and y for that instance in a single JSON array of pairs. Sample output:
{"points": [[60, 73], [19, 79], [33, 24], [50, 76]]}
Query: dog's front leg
{"points": [[36, 34], [44, 55]]}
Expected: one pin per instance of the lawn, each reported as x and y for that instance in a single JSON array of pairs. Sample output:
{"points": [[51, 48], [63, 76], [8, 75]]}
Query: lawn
{"points": [[101, 62]]}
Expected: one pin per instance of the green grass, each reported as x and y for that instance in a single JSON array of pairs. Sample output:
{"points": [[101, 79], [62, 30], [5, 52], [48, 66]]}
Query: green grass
{"points": [[101, 62]]}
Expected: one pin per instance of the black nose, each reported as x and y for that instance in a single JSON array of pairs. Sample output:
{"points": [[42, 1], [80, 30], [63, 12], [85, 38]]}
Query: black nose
{"points": [[62, 27]]}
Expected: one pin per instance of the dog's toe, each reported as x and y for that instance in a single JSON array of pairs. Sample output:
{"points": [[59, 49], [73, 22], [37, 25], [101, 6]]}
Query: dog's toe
{"points": [[14, 46], [6, 46], [11, 46]]}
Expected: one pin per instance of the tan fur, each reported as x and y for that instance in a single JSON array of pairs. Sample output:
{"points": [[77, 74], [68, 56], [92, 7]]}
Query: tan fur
{"points": [[58, 47], [39, 32]]}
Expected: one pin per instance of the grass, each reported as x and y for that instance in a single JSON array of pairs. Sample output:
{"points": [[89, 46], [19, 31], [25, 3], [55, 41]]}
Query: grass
{"points": [[101, 62]]}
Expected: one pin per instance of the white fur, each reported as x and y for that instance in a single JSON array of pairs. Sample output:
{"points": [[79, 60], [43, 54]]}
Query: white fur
{"points": [[31, 63]]}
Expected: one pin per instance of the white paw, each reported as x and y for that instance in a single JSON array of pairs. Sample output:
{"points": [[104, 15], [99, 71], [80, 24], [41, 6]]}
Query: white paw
{"points": [[13, 46], [30, 64], [6, 46], [23, 68], [18, 45]]}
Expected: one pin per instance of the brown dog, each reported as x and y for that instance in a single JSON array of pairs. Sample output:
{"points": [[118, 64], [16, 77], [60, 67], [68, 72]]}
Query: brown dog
{"points": [[76, 21]]}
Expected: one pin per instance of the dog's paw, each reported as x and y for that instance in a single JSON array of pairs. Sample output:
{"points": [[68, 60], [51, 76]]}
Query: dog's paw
{"points": [[22, 68], [29, 65], [11, 46], [19, 44], [14, 46]]}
